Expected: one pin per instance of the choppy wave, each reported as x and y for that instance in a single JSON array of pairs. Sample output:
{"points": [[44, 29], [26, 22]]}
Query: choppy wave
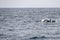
{"points": [[25, 24]]}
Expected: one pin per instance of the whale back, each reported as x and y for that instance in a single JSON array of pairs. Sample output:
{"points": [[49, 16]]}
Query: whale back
{"points": [[48, 20]]}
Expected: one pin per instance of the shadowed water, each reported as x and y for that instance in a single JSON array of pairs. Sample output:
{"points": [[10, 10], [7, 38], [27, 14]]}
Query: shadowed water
{"points": [[26, 24]]}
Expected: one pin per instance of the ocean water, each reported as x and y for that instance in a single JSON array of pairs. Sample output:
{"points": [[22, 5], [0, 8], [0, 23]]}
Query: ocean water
{"points": [[26, 24]]}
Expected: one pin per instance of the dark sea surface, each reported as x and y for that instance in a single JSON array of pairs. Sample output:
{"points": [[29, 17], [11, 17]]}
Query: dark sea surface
{"points": [[26, 24]]}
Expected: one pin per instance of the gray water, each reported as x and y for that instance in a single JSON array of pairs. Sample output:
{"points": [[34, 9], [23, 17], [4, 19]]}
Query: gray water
{"points": [[25, 24]]}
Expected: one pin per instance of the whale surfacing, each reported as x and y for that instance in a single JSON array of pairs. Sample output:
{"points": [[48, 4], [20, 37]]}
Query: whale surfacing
{"points": [[48, 20]]}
